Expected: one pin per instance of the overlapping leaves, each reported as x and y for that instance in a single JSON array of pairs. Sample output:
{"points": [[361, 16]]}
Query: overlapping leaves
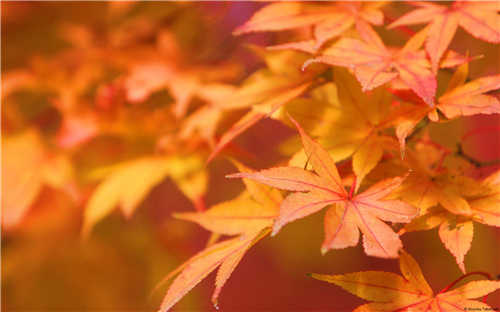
{"points": [[351, 212]]}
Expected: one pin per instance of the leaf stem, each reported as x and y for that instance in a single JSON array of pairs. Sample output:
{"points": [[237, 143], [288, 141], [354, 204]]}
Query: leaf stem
{"points": [[485, 274], [353, 186], [420, 126], [473, 161]]}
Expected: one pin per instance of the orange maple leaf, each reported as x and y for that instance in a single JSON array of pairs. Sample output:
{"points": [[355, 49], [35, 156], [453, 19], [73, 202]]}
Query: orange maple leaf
{"points": [[328, 21], [351, 212], [456, 231], [390, 292], [226, 255], [249, 216], [374, 64], [459, 99], [480, 19]]}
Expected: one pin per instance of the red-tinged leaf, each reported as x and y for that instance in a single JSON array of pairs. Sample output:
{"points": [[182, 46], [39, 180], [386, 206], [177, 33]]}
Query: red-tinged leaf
{"points": [[390, 292], [299, 205], [225, 254], [381, 189], [440, 34], [457, 239], [307, 46], [198, 268], [471, 290], [369, 35], [341, 230], [321, 161], [350, 53], [328, 21], [478, 104], [379, 240], [480, 19], [475, 87], [373, 76], [279, 16], [332, 27], [225, 270], [418, 16], [326, 189], [374, 65], [390, 210], [414, 72], [469, 99], [288, 178], [372, 285]]}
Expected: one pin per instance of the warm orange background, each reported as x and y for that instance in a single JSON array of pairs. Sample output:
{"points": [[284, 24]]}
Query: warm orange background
{"points": [[46, 266]]}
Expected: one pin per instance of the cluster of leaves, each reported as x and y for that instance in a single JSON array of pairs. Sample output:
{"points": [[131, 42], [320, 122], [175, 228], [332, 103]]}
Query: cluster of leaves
{"points": [[362, 110], [362, 116]]}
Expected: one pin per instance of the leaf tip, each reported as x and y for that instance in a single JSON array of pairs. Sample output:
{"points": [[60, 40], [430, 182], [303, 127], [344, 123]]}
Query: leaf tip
{"points": [[239, 30], [234, 175], [215, 303], [276, 229], [461, 265], [308, 62]]}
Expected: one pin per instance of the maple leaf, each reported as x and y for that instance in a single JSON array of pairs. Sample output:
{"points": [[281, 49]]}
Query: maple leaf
{"points": [[312, 192], [127, 184], [480, 19], [486, 204], [265, 91], [252, 211], [456, 231], [347, 122], [438, 187], [433, 179], [459, 99], [328, 21], [410, 291], [248, 215], [226, 255], [374, 65]]}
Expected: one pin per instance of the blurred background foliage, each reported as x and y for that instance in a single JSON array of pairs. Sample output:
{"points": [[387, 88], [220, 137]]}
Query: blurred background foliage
{"points": [[66, 115]]}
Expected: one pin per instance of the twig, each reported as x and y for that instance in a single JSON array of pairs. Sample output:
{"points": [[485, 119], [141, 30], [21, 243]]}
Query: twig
{"points": [[473, 161]]}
